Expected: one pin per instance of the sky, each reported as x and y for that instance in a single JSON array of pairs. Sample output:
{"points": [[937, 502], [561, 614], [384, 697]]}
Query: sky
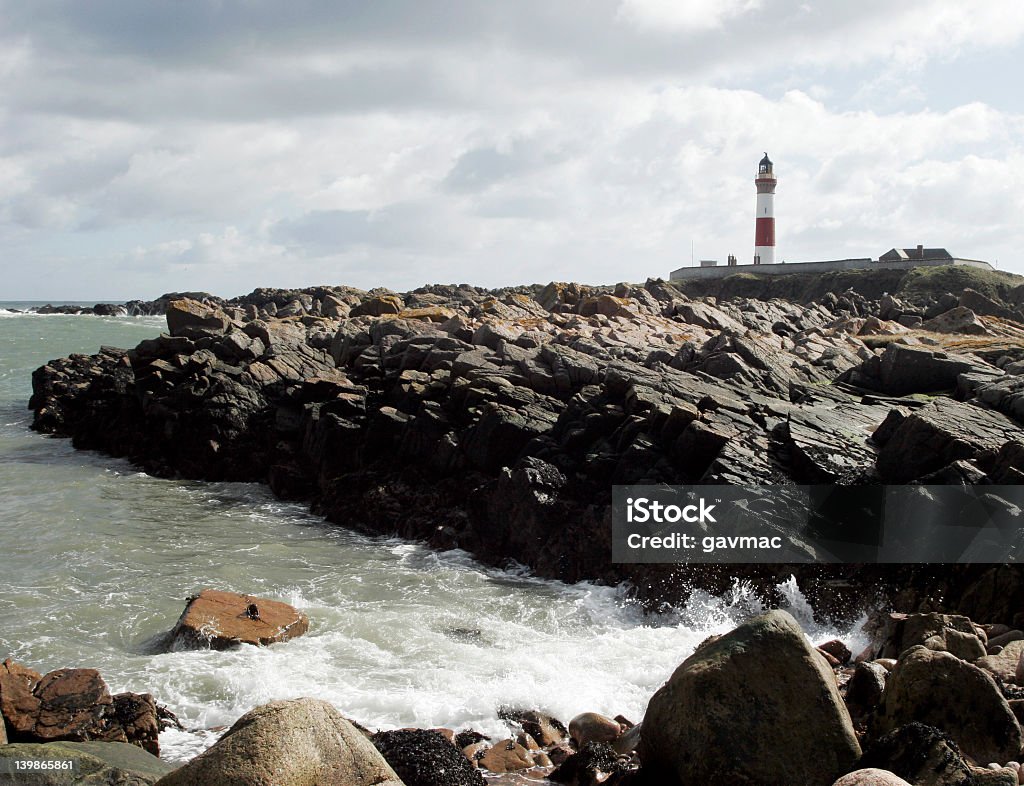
{"points": [[222, 145]]}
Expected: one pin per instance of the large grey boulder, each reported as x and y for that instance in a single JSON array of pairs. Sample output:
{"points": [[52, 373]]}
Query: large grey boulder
{"points": [[757, 706], [95, 763], [301, 742], [940, 690]]}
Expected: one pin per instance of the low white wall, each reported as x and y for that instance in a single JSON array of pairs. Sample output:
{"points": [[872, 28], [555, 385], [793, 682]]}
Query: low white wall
{"points": [[782, 269]]}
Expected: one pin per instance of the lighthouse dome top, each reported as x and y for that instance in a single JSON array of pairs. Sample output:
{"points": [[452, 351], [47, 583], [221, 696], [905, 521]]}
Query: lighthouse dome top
{"points": [[765, 167]]}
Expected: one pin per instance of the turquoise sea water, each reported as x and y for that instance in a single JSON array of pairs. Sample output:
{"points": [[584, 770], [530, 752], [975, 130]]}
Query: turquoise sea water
{"points": [[96, 560]]}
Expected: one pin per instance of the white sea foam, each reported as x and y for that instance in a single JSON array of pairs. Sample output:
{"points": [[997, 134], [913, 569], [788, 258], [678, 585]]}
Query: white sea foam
{"points": [[449, 648]]}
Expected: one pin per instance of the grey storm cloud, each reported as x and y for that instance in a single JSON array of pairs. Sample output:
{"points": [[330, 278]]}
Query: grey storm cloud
{"points": [[243, 59]]}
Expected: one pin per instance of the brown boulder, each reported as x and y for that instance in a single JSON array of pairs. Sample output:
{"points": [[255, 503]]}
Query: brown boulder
{"points": [[193, 319], [957, 320], [837, 650], [379, 305], [138, 715], [220, 619], [73, 704], [545, 729], [558, 293], [18, 704], [334, 307], [757, 706], [940, 690], [506, 756], [609, 306], [593, 727]]}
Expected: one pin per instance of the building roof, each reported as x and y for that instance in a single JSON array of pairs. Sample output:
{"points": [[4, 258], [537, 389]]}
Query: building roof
{"points": [[916, 253]]}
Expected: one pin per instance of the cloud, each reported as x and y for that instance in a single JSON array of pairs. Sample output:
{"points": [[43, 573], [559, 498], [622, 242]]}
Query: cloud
{"points": [[397, 143], [689, 15]]}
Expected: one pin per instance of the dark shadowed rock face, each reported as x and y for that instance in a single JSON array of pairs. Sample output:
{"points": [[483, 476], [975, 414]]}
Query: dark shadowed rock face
{"points": [[502, 428], [939, 689], [756, 706], [922, 754], [951, 633], [422, 757]]}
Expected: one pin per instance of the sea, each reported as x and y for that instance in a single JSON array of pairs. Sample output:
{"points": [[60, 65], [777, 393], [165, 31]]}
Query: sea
{"points": [[97, 559]]}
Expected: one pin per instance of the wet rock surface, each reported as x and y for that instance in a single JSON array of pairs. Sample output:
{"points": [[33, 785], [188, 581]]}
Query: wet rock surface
{"points": [[497, 420], [75, 705], [215, 619]]}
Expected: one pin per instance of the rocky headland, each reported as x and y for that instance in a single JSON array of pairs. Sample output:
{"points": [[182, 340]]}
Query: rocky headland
{"points": [[498, 421]]}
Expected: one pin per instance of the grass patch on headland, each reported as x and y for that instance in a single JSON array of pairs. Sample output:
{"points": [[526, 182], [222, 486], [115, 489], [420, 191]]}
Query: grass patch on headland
{"points": [[872, 283], [924, 281]]}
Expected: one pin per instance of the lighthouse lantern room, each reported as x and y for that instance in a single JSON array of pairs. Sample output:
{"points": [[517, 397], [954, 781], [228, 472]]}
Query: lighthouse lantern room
{"points": [[764, 236]]}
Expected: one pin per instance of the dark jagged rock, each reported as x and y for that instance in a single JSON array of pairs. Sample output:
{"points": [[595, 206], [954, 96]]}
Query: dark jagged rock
{"points": [[901, 369], [594, 762], [941, 433]]}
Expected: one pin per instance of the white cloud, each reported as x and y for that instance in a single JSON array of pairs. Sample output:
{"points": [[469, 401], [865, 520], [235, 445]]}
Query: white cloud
{"points": [[687, 15]]}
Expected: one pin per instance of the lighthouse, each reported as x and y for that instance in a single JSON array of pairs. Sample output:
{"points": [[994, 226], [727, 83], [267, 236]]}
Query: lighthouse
{"points": [[764, 235]]}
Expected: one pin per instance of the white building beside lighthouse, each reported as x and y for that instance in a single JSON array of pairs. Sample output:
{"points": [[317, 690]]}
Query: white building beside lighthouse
{"points": [[764, 233]]}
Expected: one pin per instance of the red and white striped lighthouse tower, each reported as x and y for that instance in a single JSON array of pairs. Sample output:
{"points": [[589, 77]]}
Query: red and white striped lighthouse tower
{"points": [[764, 237]]}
